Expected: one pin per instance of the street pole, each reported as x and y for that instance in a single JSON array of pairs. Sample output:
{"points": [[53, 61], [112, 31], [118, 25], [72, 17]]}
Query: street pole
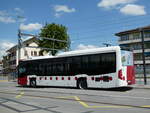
{"points": [[143, 56], [19, 45], [46, 38]]}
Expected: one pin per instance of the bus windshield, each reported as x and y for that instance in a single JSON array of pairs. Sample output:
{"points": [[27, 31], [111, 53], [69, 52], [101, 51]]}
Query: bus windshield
{"points": [[127, 58]]}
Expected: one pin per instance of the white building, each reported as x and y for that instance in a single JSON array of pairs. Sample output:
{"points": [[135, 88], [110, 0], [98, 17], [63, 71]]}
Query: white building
{"points": [[26, 52], [132, 39]]}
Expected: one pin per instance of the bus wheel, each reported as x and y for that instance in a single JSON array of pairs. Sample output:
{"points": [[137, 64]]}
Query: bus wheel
{"points": [[33, 83], [82, 84]]}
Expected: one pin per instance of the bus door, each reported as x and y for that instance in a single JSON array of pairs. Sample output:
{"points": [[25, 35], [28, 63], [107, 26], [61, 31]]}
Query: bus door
{"points": [[127, 62]]}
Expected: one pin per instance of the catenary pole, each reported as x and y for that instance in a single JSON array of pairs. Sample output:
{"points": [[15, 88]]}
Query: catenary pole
{"points": [[19, 45], [143, 56]]}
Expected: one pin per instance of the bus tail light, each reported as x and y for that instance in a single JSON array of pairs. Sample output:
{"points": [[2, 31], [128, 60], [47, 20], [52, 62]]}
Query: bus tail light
{"points": [[110, 78], [50, 78]]}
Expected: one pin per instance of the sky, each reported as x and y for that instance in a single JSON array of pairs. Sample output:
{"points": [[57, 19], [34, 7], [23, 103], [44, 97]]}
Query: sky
{"points": [[90, 23]]}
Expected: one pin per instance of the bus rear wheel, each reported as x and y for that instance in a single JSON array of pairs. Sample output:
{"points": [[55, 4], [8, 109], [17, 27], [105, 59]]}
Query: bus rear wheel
{"points": [[33, 82], [82, 84]]}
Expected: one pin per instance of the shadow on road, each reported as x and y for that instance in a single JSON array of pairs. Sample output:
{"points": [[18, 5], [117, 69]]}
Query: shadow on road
{"points": [[120, 89]]}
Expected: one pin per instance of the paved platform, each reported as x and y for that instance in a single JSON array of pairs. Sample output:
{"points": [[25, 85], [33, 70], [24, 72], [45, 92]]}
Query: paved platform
{"points": [[137, 86]]}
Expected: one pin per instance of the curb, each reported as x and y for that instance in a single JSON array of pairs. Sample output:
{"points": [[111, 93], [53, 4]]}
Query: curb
{"points": [[141, 87]]}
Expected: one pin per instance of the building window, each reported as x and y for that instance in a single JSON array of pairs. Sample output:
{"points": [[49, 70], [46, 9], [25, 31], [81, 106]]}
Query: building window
{"points": [[27, 45], [136, 46], [35, 53], [138, 56], [124, 37], [147, 55], [31, 53], [25, 53], [136, 35], [147, 33]]}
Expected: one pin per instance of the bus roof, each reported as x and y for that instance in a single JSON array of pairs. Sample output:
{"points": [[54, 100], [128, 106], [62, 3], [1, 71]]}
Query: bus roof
{"points": [[79, 52], [89, 51]]}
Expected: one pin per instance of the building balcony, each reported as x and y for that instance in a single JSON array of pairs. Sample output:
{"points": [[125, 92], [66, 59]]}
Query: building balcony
{"points": [[132, 41], [138, 62], [129, 41], [12, 58], [140, 50]]}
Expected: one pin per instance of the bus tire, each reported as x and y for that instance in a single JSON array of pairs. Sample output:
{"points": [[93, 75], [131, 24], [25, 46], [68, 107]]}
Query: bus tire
{"points": [[82, 83], [33, 82]]}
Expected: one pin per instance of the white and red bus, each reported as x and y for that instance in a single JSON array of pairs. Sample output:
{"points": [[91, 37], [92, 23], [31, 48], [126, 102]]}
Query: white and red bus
{"points": [[107, 67]]}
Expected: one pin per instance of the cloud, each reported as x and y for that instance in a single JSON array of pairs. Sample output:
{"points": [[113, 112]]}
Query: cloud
{"points": [[132, 9], [124, 6], [82, 47], [18, 10], [6, 19], [30, 27], [3, 13], [61, 9], [113, 3], [5, 45], [58, 14], [10, 17]]}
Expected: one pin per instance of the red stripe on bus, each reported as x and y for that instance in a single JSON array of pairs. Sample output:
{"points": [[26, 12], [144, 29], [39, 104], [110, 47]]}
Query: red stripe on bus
{"points": [[76, 78], [51, 78], [69, 78], [92, 78], [40, 78]]}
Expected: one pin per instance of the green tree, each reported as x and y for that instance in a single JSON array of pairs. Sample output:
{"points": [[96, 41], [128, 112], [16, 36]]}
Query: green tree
{"points": [[55, 31]]}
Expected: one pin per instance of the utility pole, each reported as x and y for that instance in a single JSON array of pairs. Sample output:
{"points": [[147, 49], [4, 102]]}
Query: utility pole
{"points": [[46, 38], [19, 46], [143, 56]]}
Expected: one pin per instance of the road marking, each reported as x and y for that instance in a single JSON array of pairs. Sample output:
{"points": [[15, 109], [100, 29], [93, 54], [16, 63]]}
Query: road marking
{"points": [[81, 102], [87, 106], [20, 95], [3, 80], [129, 97], [75, 98], [146, 106]]}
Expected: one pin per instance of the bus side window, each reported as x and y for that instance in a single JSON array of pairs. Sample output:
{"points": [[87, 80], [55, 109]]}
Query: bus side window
{"points": [[77, 68], [94, 64], [59, 68], [48, 69], [85, 64], [68, 66]]}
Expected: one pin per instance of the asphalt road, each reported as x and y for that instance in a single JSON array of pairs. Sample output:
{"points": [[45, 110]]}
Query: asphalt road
{"points": [[14, 99]]}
